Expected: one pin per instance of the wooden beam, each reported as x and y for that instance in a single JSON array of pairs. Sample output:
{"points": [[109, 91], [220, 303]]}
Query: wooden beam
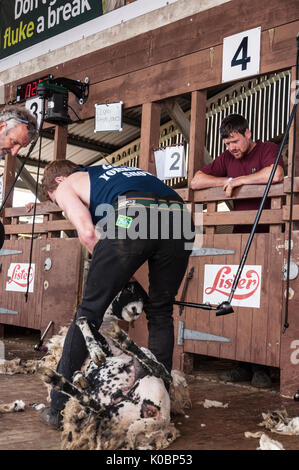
{"points": [[150, 133], [8, 178], [244, 192], [82, 143], [186, 78], [60, 142], [179, 117], [294, 130], [30, 181], [178, 39], [177, 73], [197, 132], [268, 216], [287, 184], [286, 212], [47, 207], [46, 227]]}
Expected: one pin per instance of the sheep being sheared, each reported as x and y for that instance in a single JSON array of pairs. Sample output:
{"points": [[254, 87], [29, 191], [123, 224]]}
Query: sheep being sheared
{"points": [[121, 403]]}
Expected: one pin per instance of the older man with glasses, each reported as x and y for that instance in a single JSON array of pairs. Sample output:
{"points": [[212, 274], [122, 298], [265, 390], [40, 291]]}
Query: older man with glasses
{"points": [[18, 127]]}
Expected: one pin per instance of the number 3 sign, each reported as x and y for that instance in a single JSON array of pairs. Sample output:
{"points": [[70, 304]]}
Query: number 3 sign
{"points": [[241, 55], [34, 105]]}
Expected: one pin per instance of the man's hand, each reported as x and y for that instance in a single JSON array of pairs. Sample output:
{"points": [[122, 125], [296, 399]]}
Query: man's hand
{"points": [[232, 183], [260, 177], [29, 206]]}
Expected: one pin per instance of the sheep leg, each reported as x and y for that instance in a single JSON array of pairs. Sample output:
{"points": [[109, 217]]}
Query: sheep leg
{"points": [[61, 384], [124, 342], [95, 351]]}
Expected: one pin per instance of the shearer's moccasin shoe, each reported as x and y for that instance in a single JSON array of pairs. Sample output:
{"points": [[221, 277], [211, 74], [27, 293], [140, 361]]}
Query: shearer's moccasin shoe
{"points": [[51, 418]]}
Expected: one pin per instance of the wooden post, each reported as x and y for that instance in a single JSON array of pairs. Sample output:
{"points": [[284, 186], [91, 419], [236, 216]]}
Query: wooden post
{"points": [[8, 178], [197, 146], [150, 134], [60, 142], [197, 132], [292, 130], [60, 145], [290, 150], [289, 383]]}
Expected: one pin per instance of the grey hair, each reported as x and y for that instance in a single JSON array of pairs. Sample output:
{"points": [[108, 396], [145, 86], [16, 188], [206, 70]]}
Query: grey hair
{"points": [[18, 115]]}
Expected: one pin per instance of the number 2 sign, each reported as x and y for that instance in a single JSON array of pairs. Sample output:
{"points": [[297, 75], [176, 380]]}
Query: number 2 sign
{"points": [[241, 55], [175, 166]]}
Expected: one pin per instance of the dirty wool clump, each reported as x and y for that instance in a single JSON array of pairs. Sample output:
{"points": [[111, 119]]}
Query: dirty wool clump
{"points": [[31, 366], [279, 422], [17, 405], [17, 366]]}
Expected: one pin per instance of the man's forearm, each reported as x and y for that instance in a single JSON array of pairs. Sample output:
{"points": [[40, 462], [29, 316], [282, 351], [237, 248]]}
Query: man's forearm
{"points": [[262, 176], [202, 181]]}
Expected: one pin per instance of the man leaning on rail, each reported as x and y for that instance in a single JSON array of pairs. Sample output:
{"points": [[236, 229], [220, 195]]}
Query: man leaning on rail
{"points": [[243, 162]]}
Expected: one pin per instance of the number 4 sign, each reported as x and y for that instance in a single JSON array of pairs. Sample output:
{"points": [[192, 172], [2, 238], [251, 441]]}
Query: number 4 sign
{"points": [[241, 55]]}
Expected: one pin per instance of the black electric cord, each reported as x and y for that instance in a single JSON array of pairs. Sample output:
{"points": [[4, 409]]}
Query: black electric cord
{"points": [[36, 193], [32, 145], [286, 318]]}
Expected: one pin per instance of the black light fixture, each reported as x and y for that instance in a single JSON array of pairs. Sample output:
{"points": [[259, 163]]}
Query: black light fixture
{"points": [[56, 92]]}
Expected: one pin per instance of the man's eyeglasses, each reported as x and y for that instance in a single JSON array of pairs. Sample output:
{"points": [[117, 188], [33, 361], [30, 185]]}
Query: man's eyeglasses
{"points": [[17, 119]]}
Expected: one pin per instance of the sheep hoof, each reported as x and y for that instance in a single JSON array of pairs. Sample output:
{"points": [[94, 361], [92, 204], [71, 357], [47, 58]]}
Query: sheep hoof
{"points": [[79, 380], [116, 332], [97, 356]]}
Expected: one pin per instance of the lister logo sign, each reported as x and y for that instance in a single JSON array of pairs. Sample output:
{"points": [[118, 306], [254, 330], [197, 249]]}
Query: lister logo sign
{"points": [[218, 281], [18, 274]]}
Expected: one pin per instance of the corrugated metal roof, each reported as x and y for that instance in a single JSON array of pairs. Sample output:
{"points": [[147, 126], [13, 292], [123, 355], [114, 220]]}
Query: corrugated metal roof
{"points": [[86, 147], [84, 142]]}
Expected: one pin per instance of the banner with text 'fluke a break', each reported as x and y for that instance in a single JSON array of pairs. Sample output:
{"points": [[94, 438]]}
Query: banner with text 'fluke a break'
{"points": [[24, 23]]}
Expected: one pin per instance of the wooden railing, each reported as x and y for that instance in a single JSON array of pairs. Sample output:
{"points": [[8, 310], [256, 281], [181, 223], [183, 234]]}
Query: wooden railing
{"points": [[53, 224], [275, 217]]}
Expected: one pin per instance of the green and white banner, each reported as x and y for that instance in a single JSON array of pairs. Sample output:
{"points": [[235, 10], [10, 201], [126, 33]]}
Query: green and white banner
{"points": [[24, 23]]}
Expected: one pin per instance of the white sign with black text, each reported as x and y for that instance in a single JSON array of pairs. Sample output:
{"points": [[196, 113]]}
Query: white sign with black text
{"points": [[175, 164], [241, 55], [108, 117], [34, 105], [218, 281], [160, 163], [170, 162]]}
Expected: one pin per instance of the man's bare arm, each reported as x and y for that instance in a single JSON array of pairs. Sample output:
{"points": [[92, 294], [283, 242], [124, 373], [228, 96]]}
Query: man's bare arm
{"points": [[260, 177], [78, 214], [202, 181]]}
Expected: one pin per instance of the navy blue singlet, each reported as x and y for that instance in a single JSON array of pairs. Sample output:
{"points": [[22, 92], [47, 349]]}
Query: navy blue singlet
{"points": [[108, 182]]}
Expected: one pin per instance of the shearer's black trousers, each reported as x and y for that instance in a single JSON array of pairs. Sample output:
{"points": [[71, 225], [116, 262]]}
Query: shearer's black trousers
{"points": [[114, 262]]}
